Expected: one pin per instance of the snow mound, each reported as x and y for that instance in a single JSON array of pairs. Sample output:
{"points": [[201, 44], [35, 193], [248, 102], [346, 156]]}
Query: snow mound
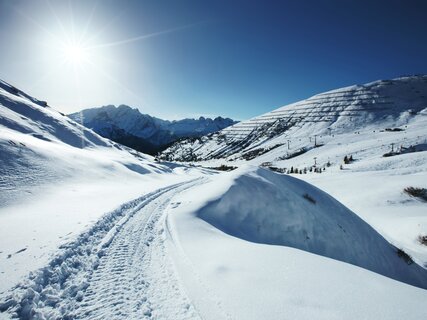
{"points": [[265, 207]]}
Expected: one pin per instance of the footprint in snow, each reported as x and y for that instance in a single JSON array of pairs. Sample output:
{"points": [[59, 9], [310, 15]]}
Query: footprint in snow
{"points": [[19, 251], [175, 204]]}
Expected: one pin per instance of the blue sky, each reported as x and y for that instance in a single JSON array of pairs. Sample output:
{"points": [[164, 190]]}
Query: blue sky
{"points": [[175, 59]]}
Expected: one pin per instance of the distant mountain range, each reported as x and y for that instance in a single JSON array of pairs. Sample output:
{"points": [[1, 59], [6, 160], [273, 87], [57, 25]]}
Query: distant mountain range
{"points": [[143, 132]]}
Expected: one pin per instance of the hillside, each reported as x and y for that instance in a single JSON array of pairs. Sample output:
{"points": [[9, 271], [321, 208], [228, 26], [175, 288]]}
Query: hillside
{"points": [[298, 127], [142, 131], [380, 128], [55, 170]]}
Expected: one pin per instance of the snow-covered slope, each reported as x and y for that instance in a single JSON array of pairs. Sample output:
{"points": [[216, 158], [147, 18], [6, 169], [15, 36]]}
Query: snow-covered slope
{"points": [[245, 245], [391, 116], [39, 146], [265, 207], [373, 106], [109, 233], [142, 131], [54, 170]]}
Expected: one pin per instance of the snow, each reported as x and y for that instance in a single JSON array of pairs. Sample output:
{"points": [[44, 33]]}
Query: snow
{"points": [[399, 218], [110, 120], [245, 278], [92, 229], [81, 281], [371, 186], [54, 170], [373, 106]]}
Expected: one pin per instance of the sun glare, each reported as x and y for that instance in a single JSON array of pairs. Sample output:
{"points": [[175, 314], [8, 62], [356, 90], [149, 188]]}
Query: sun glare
{"points": [[75, 53], [76, 49]]}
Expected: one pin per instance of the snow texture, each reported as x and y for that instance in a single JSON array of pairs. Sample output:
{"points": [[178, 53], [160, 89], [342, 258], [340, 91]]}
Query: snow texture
{"points": [[222, 241]]}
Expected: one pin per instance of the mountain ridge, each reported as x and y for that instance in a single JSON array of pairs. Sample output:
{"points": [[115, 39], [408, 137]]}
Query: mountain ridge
{"points": [[143, 132]]}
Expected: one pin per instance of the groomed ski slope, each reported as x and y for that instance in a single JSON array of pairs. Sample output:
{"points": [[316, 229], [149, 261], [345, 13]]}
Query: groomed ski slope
{"points": [[369, 107]]}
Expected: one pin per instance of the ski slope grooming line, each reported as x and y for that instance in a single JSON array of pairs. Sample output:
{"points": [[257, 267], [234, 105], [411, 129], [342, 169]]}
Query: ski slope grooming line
{"points": [[118, 269]]}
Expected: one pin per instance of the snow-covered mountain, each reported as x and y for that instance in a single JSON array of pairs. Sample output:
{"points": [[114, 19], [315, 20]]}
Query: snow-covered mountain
{"points": [[300, 126], [142, 131]]}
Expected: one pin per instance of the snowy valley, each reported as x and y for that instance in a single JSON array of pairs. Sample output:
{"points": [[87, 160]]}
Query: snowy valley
{"points": [[143, 132], [91, 229]]}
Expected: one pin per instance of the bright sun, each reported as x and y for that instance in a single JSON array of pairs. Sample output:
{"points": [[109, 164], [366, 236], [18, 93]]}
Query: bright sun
{"points": [[75, 53]]}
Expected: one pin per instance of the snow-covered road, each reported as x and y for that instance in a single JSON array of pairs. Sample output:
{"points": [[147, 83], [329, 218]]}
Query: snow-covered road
{"points": [[119, 269]]}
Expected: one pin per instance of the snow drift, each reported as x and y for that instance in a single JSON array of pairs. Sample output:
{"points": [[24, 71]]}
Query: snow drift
{"points": [[264, 207]]}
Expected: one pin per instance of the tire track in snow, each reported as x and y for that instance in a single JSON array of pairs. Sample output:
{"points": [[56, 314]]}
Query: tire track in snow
{"points": [[117, 269]]}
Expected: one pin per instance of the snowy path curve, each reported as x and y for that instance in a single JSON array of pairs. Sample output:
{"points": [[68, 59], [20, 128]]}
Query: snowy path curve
{"points": [[119, 269]]}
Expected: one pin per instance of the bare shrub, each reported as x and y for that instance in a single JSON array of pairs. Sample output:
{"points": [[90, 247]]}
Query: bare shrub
{"points": [[420, 193], [422, 240]]}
